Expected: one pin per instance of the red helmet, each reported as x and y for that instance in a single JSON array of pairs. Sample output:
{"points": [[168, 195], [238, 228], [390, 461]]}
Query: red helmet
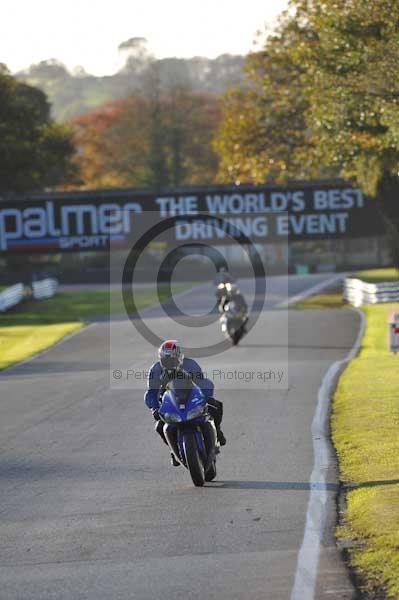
{"points": [[170, 354]]}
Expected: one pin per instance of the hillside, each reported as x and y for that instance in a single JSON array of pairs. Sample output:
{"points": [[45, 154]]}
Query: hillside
{"points": [[73, 94]]}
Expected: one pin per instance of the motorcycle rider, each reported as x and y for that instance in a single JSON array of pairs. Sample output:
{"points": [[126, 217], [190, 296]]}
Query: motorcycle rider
{"points": [[222, 279], [223, 276], [171, 360], [233, 294]]}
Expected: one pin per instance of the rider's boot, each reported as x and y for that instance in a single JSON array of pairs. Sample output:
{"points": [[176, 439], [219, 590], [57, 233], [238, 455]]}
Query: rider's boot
{"points": [[173, 461], [220, 437]]}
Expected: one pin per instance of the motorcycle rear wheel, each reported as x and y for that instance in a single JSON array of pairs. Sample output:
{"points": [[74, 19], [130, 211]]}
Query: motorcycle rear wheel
{"points": [[193, 459], [235, 337]]}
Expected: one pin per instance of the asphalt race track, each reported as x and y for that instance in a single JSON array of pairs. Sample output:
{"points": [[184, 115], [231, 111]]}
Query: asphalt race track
{"points": [[90, 507]]}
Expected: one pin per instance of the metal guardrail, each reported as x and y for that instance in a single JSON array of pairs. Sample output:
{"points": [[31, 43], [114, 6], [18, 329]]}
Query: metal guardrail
{"points": [[11, 296], [358, 292], [46, 288]]}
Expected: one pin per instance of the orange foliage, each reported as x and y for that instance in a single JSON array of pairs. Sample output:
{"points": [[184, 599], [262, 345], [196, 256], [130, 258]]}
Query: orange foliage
{"points": [[116, 143]]}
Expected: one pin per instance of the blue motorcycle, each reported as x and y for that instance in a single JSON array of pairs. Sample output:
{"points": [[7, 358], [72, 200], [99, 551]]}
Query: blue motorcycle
{"points": [[189, 429]]}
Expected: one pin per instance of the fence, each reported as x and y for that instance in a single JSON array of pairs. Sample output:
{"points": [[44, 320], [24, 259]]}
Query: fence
{"points": [[11, 296], [358, 292], [46, 288]]}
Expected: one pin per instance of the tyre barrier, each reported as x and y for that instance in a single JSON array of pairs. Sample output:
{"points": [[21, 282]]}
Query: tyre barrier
{"points": [[358, 292], [46, 288], [39, 290], [11, 296]]}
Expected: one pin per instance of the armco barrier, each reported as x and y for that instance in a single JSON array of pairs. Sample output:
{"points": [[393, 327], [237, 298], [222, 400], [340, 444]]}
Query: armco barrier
{"points": [[358, 292], [46, 288], [11, 296]]}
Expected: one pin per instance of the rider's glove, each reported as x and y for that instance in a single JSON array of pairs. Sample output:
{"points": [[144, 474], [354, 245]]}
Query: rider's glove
{"points": [[155, 414]]}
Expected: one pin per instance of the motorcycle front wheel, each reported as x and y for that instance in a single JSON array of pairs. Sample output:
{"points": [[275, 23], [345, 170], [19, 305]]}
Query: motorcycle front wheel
{"points": [[193, 459]]}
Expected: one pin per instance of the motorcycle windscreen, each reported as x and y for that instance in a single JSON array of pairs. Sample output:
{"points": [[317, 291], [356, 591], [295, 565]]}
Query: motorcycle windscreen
{"points": [[181, 387]]}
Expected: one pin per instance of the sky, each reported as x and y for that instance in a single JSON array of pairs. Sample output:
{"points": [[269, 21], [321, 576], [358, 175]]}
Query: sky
{"points": [[88, 32]]}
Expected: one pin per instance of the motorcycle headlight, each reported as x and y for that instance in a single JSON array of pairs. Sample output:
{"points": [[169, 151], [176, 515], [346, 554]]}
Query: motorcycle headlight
{"points": [[171, 418], [195, 412]]}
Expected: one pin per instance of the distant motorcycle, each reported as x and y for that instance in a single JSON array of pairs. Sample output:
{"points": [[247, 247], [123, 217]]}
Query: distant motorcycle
{"points": [[233, 321], [189, 429]]}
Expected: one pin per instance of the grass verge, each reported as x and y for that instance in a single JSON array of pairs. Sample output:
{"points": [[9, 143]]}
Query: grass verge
{"points": [[365, 432], [18, 342], [33, 326], [378, 275], [329, 299]]}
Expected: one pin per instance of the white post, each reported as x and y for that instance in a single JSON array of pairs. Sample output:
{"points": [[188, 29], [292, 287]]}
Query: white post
{"points": [[394, 333]]}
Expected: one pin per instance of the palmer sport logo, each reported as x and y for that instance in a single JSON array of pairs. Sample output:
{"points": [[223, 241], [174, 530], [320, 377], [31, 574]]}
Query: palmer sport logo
{"points": [[65, 226]]}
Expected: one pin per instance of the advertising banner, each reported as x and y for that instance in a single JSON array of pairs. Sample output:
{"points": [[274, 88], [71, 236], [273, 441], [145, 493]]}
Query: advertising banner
{"points": [[92, 221]]}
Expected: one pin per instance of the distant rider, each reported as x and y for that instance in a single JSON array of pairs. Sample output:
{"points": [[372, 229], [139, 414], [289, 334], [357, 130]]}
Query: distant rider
{"points": [[232, 295], [171, 360], [222, 279], [223, 276]]}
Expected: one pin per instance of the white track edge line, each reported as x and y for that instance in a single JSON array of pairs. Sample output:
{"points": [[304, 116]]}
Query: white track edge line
{"points": [[312, 290], [309, 553]]}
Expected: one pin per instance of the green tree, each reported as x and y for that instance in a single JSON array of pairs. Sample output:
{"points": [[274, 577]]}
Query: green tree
{"points": [[35, 151], [263, 131], [353, 92], [321, 100]]}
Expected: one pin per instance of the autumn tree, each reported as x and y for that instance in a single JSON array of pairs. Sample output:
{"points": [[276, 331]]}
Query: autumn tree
{"points": [[158, 139], [188, 123], [191, 121], [112, 144], [36, 152]]}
